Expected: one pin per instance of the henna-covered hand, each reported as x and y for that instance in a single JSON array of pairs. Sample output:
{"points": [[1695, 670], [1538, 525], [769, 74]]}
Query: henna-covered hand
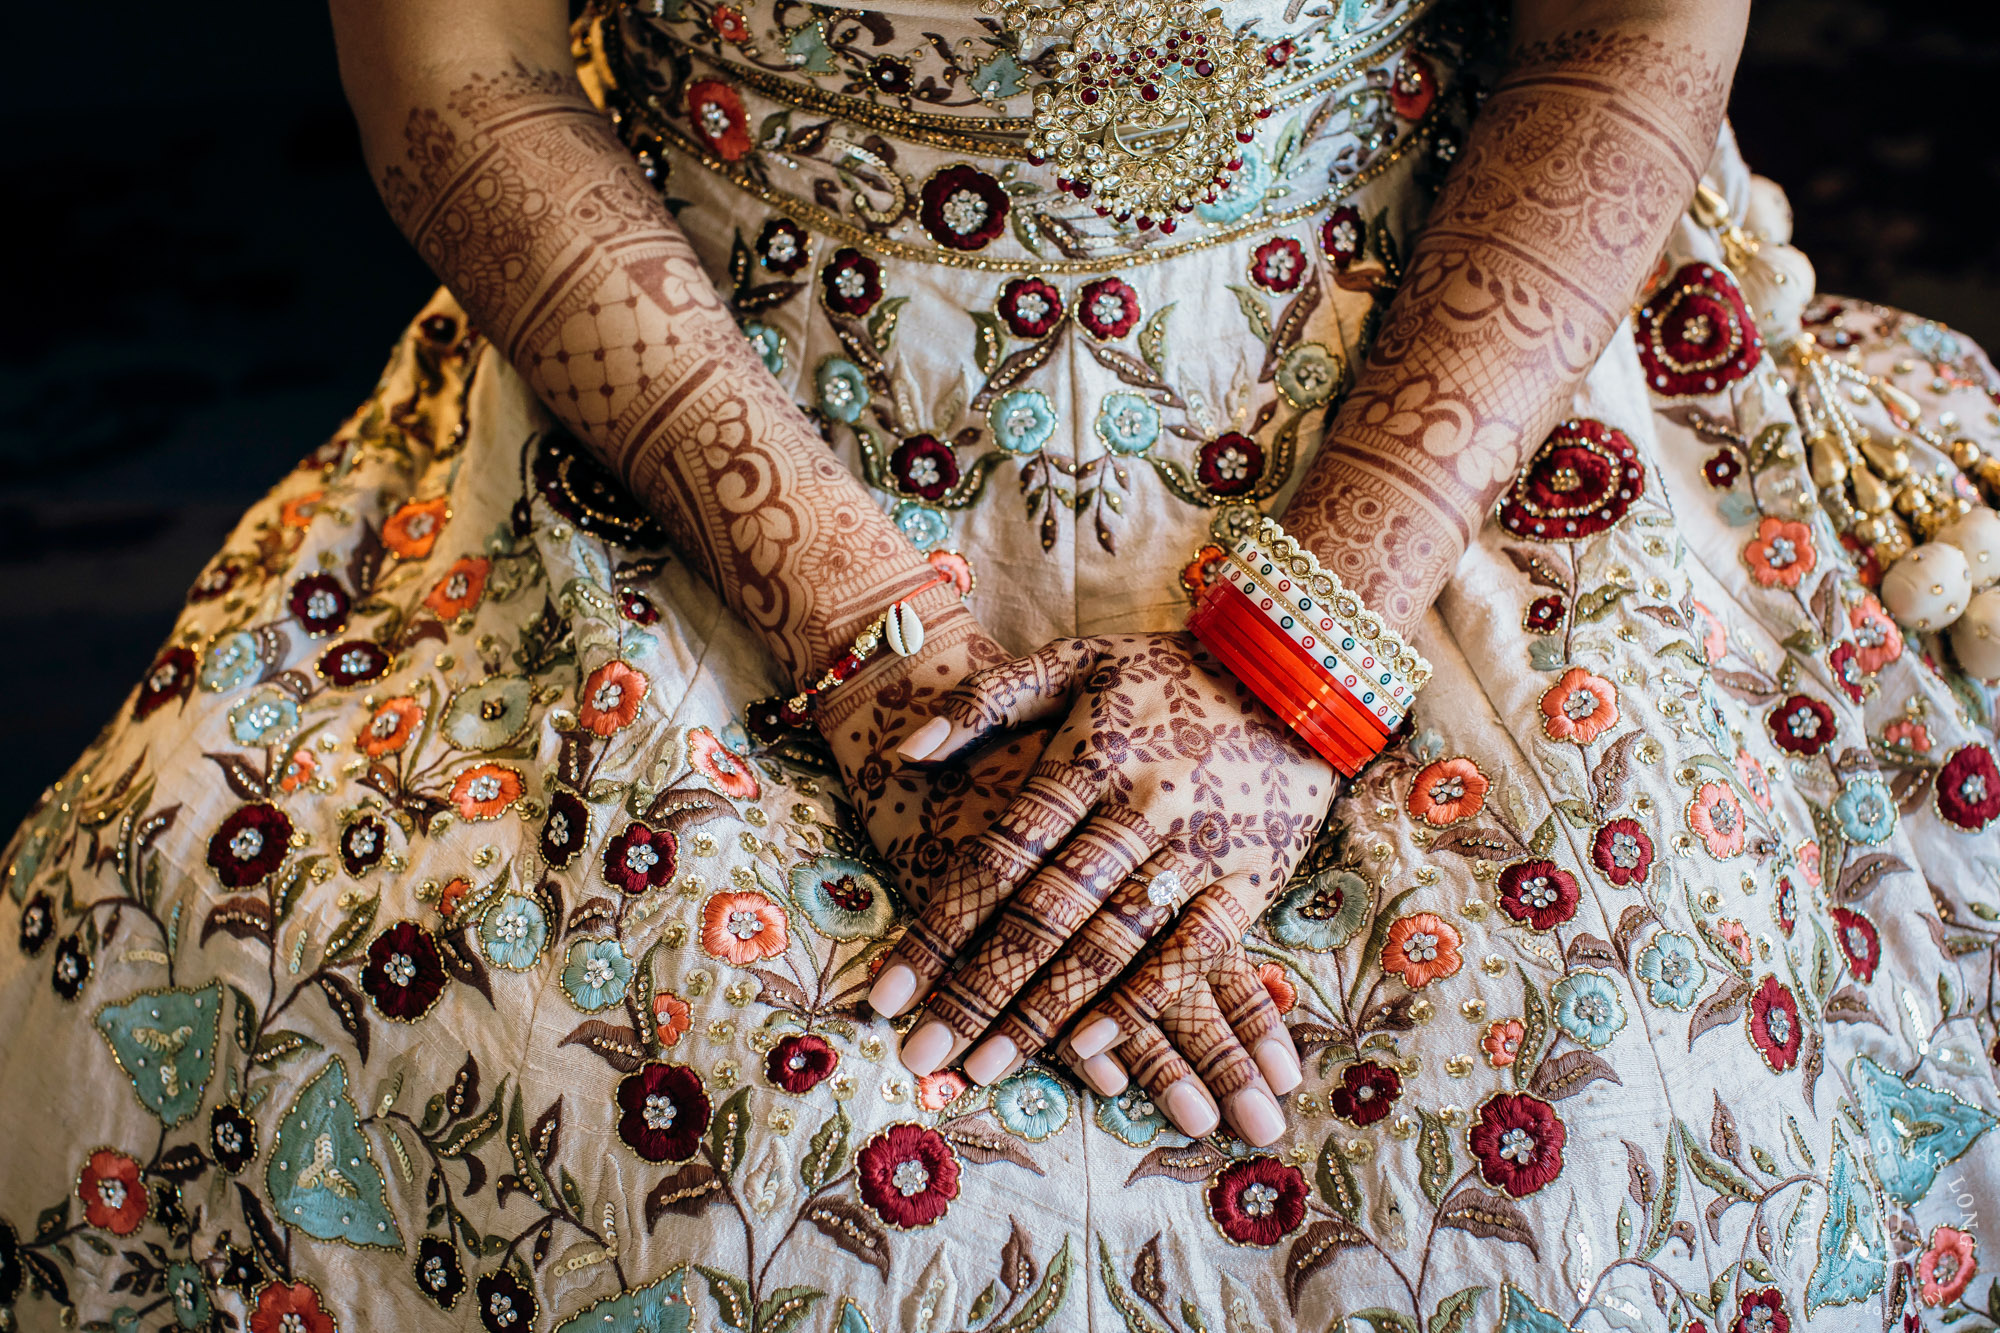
{"points": [[1163, 777]]}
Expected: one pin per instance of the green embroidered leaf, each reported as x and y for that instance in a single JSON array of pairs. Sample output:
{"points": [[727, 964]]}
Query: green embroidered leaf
{"points": [[275, 1048], [1546, 654], [732, 1298], [1336, 1180], [1382, 1320], [983, 1305], [1314, 1250], [1544, 840], [1128, 1309], [1025, 230], [1713, 1172], [525, 1165], [1823, 967], [826, 1154], [347, 938], [1666, 1200], [785, 1309], [1454, 1311], [1435, 1166], [1255, 311], [1377, 937], [1152, 340], [986, 340], [882, 323], [728, 1131], [1576, 813], [1534, 1029], [1599, 602]]}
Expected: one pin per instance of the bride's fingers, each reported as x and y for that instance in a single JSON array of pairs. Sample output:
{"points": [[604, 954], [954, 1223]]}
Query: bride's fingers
{"points": [[1197, 1028], [1167, 1077], [1038, 919], [1029, 689], [988, 868], [1210, 927], [1137, 910], [1246, 1004]]}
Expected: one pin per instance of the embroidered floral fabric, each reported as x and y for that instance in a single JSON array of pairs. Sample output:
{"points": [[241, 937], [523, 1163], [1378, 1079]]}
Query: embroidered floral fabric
{"points": [[427, 935]]}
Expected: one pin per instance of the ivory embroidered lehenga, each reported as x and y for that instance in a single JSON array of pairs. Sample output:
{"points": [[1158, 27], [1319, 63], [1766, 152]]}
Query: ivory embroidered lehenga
{"points": [[428, 935]]}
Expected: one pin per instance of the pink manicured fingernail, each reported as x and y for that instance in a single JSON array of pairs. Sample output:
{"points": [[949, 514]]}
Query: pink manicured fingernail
{"points": [[1190, 1109], [1279, 1065], [920, 743], [926, 1048], [1257, 1117], [1104, 1074], [993, 1058], [1095, 1036], [892, 990]]}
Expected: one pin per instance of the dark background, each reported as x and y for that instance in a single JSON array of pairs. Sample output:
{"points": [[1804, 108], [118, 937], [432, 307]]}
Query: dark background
{"points": [[202, 284]]}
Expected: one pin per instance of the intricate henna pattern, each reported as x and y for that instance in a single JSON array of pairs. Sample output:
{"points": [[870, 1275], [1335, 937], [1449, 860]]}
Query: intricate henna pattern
{"points": [[1578, 165]]}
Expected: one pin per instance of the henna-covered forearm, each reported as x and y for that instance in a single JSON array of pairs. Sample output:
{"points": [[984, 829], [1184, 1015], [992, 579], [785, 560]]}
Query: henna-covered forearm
{"points": [[1580, 162]]}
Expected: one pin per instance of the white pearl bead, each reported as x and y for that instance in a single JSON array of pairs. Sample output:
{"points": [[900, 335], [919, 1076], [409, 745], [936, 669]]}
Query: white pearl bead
{"points": [[1778, 284], [1977, 535], [1768, 213], [1976, 636], [1929, 587]]}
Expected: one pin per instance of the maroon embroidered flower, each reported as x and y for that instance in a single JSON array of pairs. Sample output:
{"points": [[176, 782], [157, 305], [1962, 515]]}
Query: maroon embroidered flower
{"points": [[1847, 672], [1412, 88], [1107, 309], [800, 1062], [1030, 307], [71, 969], [963, 208], [1622, 851], [1762, 1312], [1968, 788], [1342, 235], [249, 845], [363, 844], [1257, 1200], [171, 677], [1786, 910], [38, 924], [1859, 940], [715, 112], [665, 1111], [924, 465], [1722, 469], [232, 1136], [1802, 725], [851, 282], [506, 1304], [1696, 335], [639, 858], [440, 1276], [355, 662], [783, 246], [1279, 53], [579, 488], [1230, 464], [907, 1175], [320, 604], [114, 1197], [216, 580], [1545, 614], [1518, 1140], [1279, 264], [638, 608], [891, 75], [566, 830], [1584, 478], [1774, 1024], [405, 973], [1367, 1090], [1538, 893]]}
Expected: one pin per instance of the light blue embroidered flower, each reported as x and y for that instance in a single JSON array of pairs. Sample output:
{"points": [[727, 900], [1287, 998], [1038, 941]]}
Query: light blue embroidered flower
{"points": [[1588, 1008], [596, 975], [264, 715], [999, 77], [1934, 342], [188, 1293], [166, 1040], [1865, 809], [230, 661], [489, 714], [1031, 1105], [1022, 421], [512, 933], [923, 525], [843, 899], [842, 389], [1127, 423], [1323, 913], [1244, 192], [1308, 375], [770, 345], [1131, 1116], [1673, 967]]}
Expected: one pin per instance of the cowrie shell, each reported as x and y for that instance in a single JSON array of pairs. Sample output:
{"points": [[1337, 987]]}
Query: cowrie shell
{"points": [[904, 629]]}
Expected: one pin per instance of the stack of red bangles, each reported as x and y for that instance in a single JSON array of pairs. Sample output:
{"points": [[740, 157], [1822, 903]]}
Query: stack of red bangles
{"points": [[1308, 648]]}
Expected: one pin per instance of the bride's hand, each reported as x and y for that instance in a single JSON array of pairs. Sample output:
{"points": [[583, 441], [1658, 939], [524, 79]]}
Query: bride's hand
{"points": [[1163, 776]]}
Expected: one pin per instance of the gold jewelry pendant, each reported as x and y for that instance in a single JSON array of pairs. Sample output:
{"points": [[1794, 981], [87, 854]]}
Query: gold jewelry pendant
{"points": [[1150, 105]]}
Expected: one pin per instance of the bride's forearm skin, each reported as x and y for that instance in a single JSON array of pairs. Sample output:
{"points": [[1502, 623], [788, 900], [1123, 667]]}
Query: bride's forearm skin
{"points": [[1588, 150]]}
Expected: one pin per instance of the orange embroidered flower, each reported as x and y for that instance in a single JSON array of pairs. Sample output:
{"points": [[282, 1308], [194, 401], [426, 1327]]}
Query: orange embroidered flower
{"points": [[939, 1090], [1448, 791], [1201, 571], [485, 790], [388, 731], [299, 770], [610, 698], [1946, 1266], [729, 771], [114, 1197], [1580, 707], [954, 567], [1781, 553], [729, 24], [1714, 639], [1502, 1042], [461, 587], [1283, 993], [1716, 817], [742, 928], [299, 512], [289, 1309], [1422, 948], [1737, 937], [1907, 735], [412, 530], [1807, 853], [1877, 641], [451, 895], [670, 1016], [719, 119]]}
